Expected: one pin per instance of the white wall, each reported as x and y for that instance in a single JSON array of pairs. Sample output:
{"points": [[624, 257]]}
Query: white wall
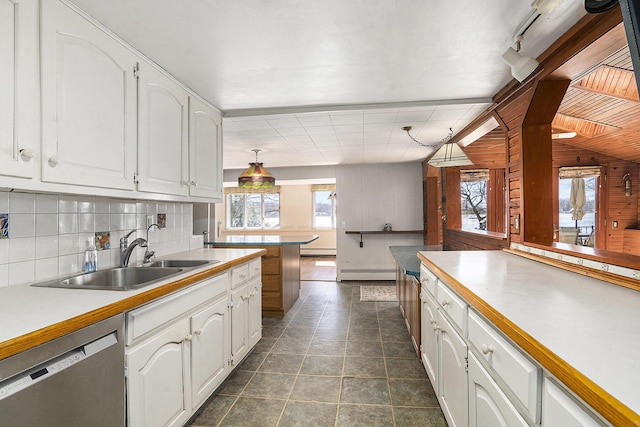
{"points": [[296, 217], [368, 196]]}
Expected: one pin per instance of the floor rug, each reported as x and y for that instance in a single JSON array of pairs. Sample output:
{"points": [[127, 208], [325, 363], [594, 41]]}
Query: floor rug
{"points": [[378, 293]]}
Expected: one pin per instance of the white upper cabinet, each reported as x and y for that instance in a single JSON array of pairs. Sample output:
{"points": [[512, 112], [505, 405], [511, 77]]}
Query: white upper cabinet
{"points": [[18, 91], [163, 134], [88, 103], [205, 151]]}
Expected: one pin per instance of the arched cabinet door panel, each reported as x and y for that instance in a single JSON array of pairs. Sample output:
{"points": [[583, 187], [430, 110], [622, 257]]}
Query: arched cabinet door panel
{"points": [[88, 103], [205, 151], [162, 134], [488, 405], [157, 379], [19, 101]]}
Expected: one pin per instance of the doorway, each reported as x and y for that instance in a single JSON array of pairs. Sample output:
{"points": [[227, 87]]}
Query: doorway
{"points": [[318, 268]]}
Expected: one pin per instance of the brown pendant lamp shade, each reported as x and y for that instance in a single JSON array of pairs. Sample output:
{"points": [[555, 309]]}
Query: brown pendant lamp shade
{"points": [[256, 176]]}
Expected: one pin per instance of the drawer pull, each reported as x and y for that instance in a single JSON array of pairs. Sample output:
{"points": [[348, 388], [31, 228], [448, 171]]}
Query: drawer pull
{"points": [[487, 349], [445, 303], [432, 321], [436, 327], [242, 276]]}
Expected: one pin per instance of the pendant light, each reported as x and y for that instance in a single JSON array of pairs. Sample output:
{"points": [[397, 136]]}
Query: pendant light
{"points": [[448, 153], [256, 176]]}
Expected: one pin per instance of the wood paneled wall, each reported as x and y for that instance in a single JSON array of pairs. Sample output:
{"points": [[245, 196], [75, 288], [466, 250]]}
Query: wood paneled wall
{"points": [[459, 240]]}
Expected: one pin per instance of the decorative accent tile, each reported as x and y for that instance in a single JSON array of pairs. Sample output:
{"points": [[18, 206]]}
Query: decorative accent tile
{"points": [[161, 220], [4, 226], [103, 240]]}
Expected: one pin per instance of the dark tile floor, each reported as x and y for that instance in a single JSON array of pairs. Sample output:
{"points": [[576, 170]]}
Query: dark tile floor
{"points": [[332, 361]]}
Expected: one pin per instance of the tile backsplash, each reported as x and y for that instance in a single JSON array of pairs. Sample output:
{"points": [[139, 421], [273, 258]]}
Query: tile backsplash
{"points": [[48, 233]]}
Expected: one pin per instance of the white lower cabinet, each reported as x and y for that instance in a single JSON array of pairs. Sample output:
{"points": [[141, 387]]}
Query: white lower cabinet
{"points": [[453, 374], [246, 309], [488, 405], [180, 348], [444, 351], [254, 308], [240, 326], [429, 338], [158, 377], [209, 349], [560, 410]]}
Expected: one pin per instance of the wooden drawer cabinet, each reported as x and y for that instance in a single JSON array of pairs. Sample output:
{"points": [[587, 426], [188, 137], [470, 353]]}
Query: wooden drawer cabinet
{"points": [[271, 300], [518, 373]]}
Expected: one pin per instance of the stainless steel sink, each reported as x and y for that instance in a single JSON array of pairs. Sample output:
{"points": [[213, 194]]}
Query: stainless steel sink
{"points": [[115, 279], [180, 263]]}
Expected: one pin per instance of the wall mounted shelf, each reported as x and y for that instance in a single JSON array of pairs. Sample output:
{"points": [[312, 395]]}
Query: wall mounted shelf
{"points": [[361, 232]]}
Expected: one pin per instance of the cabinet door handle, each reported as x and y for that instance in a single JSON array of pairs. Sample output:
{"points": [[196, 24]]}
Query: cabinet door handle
{"points": [[194, 183], [445, 303], [487, 349], [197, 332], [26, 154], [53, 161], [436, 327], [188, 338]]}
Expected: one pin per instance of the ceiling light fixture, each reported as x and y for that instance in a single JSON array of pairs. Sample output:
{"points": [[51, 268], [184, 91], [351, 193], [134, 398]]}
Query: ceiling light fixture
{"points": [[256, 176], [563, 135], [449, 153], [521, 66]]}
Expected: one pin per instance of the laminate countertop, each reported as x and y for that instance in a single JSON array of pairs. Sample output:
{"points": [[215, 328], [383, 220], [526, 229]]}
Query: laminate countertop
{"points": [[263, 240], [583, 330], [33, 315], [407, 257]]}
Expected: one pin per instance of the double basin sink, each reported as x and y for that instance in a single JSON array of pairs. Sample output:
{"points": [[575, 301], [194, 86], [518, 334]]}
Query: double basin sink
{"points": [[126, 278]]}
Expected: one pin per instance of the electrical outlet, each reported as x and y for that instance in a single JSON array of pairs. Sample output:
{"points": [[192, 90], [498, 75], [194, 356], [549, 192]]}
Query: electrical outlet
{"points": [[614, 224]]}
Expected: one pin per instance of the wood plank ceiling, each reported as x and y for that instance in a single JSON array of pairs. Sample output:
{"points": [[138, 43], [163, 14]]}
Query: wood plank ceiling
{"points": [[601, 105], [603, 108]]}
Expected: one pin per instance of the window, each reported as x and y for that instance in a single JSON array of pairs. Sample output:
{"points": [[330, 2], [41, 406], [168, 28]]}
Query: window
{"points": [[577, 197], [473, 199], [253, 210], [324, 205]]}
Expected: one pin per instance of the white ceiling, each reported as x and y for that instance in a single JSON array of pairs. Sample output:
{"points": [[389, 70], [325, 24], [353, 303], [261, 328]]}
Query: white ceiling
{"points": [[346, 73]]}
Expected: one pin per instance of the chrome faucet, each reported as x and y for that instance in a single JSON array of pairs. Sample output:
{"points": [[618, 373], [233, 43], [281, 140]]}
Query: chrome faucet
{"points": [[126, 248], [148, 254]]}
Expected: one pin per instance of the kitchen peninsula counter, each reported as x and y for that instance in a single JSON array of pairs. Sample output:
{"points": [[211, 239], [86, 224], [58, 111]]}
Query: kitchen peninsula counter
{"points": [[582, 330], [280, 266]]}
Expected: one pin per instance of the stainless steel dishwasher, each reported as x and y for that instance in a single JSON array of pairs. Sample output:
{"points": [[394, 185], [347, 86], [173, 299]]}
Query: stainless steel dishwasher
{"points": [[75, 380]]}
